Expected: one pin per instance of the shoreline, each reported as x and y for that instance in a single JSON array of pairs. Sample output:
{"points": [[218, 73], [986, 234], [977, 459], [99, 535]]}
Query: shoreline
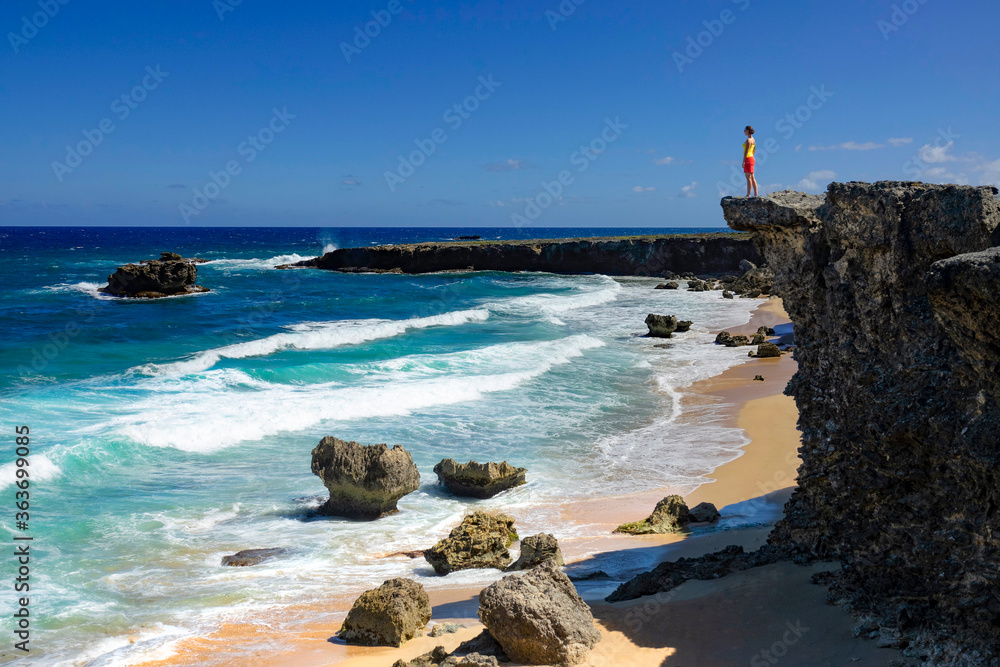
{"points": [[759, 408]]}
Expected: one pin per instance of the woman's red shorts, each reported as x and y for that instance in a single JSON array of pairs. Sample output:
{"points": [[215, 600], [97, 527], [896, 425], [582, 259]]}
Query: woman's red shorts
{"points": [[748, 163]]}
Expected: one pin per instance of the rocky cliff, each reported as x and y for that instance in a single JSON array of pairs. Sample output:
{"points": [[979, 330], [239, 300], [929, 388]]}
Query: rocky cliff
{"points": [[620, 256], [894, 289]]}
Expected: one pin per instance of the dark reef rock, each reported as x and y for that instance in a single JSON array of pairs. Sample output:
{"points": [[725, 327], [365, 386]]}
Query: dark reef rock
{"points": [[538, 618], [365, 481], [482, 540], [670, 284], [894, 289], [616, 256], [478, 480], [249, 557], [704, 513], [669, 516], [661, 326], [389, 615], [171, 275], [765, 350], [537, 549], [729, 340], [683, 326]]}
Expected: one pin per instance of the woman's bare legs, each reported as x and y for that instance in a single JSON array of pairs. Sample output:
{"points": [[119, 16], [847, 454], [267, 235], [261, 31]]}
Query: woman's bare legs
{"points": [[752, 179]]}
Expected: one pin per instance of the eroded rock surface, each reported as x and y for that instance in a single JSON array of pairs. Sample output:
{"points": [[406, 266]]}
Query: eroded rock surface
{"points": [[537, 549], [482, 540], [538, 618], [389, 615], [364, 481], [669, 516], [171, 275], [661, 326], [478, 480]]}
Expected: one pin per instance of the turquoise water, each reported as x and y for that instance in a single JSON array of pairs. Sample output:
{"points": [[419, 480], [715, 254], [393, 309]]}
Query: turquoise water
{"points": [[168, 433]]}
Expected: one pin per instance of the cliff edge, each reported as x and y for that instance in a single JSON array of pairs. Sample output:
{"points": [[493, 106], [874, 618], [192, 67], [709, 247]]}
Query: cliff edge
{"points": [[894, 289]]}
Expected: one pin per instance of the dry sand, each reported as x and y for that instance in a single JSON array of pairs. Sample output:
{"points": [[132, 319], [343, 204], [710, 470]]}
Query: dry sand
{"points": [[729, 621]]}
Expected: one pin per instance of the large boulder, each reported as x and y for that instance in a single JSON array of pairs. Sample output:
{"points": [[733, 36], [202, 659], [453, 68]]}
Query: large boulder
{"points": [[669, 516], [169, 276], [767, 350], [478, 480], [538, 618], [729, 340], [537, 549], [365, 481], [482, 540], [661, 326], [389, 615], [704, 513]]}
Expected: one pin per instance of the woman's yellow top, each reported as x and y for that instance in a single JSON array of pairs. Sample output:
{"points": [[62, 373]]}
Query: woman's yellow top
{"points": [[748, 147]]}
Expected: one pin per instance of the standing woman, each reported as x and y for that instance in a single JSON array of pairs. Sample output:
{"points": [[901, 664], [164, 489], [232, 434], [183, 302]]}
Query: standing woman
{"points": [[748, 161]]}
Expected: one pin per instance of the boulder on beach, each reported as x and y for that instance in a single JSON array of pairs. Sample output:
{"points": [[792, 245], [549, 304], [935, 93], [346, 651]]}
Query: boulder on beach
{"points": [[478, 480], [766, 350], [389, 615], [537, 549], [670, 284], [758, 338], [704, 513], [249, 557], [669, 516], [729, 340], [481, 541], [726, 294], [683, 325], [171, 275], [661, 326], [365, 481], [538, 618]]}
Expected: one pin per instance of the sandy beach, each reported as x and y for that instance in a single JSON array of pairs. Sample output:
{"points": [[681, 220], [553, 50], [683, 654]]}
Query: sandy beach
{"points": [[730, 621]]}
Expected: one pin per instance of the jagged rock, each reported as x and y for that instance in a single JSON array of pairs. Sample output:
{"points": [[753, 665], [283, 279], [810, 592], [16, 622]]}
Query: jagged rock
{"points": [[683, 325], [671, 284], [477, 660], [438, 657], [726, 294], [484, 644], [669, 516], [538, 618], [480, 541], [154, 279], [765, 350], [661, 326], [365, 481], [893, 289], [746, 265], [704, 513], [445, 629], [759, 378], [729, 340], [536, 550], [758, 338], [249, 557], [767, 331], [478, 480], [389, 615]]}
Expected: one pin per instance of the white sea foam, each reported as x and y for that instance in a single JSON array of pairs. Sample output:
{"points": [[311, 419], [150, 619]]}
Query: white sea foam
{"points": [[314, 336], [330, 247], [40, 467], [88, 288], [204, 414], [255, 263], [158, 643]]}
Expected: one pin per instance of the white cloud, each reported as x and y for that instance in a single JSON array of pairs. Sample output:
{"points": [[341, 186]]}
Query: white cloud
{"points": [[900, 141], [990, 173], [665, 160], [351, 181], [849, 146], [688, 190], [816, 180], [639, 188], [936, 154], [508, 165]]}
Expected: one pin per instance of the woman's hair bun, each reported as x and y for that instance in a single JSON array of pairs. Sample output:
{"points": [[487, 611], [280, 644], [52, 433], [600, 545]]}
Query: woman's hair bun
{"points": [[749, 128]]}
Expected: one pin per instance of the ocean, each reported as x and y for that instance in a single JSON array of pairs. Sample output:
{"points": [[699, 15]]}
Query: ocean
{"points": [[168, 433]]}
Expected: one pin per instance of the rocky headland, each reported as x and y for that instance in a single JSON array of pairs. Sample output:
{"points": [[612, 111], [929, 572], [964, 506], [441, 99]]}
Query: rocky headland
{"points": [[714, 253], [893, 288]]}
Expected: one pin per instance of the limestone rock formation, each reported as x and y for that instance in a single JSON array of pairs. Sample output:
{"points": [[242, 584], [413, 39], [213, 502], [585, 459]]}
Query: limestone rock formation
{"points": [[669, 516], [478, 480], [170, 275], [661, 326], [389, 615], [893, 288], [249, 557], [482, 540], [766, 350], [704, 513], [365, 481], [538, 618], [537, 549], [670, 284], [729, 340], [683, 325]]}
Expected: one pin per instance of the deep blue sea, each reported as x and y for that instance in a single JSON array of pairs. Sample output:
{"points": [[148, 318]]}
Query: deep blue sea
{"points": [[168, 433]]}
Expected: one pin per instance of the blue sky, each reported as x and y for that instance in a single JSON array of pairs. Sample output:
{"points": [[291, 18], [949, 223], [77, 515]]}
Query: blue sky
{"points": [[853, 90]]}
